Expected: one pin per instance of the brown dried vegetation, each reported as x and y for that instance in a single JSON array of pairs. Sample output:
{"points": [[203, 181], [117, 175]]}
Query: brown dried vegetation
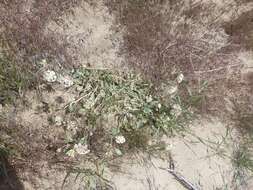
{"points": [[23, 29], [161, 37]]}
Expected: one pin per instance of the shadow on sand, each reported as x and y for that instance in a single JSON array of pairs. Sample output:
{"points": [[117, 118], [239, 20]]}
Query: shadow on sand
{"points": [[8, 176]]}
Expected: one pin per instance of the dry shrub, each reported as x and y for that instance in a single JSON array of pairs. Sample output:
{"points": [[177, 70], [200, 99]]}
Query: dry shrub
{"points": [[24, 42], [241, 30], [162, 36], [22, 29]]}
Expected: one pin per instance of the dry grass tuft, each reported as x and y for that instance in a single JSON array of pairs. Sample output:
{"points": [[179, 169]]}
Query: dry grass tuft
{"points": [[22, 29], [162, 37]]}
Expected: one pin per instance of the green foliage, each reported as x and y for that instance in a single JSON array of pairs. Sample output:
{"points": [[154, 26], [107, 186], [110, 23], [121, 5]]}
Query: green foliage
{"points": [[127, 101], [243, 164], [242, 159], [13, 79], [92, 177]]}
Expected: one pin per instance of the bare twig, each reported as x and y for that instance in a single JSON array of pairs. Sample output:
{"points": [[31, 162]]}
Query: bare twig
{"points": [[188, 185], [79, 99], [217, 69]]}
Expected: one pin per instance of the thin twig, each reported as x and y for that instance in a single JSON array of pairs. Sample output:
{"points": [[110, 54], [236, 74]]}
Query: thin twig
{"points": [[217, 69], [188, 185], [79, 99]]}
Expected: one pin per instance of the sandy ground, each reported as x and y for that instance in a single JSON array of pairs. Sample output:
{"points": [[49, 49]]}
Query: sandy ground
{"points": [[89, 32], [201, 163], [203, 159]]}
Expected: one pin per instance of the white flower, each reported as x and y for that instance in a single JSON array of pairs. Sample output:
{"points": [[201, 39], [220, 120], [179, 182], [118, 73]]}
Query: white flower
{"points": [[180, 78], [79, 88], [169, 147], [176, 110], [43, 62], [71, 125], [58, 120], [66, 81], [159, 106], [50, 76], [59, 150], [150, 142], [172, 89], [81, 149], [120, 139], [149, 99], [91, 133]]}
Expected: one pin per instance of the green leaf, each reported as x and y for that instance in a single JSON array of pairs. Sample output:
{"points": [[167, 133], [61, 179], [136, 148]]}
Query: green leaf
{"points": [[118, 152], [115, 131]]}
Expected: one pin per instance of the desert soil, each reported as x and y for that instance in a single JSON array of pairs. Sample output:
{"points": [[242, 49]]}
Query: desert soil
{"points": [[202, 157]]}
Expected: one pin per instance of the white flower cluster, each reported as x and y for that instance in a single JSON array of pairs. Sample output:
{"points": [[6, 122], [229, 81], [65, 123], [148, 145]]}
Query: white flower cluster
{"points": [[51, 77], [66, 81], [78, 149], [180, 78], [149, 99], [43, 62], [172, 89], [81, 149], [58, 120], [120, 139]]}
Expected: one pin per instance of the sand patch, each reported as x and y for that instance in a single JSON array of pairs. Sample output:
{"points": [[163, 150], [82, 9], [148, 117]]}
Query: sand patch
{"points": [[202, 159], [88, 31]]}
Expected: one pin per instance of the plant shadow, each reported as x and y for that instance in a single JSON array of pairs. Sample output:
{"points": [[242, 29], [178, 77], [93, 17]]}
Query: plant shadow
{"points": [[8, 176]]}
